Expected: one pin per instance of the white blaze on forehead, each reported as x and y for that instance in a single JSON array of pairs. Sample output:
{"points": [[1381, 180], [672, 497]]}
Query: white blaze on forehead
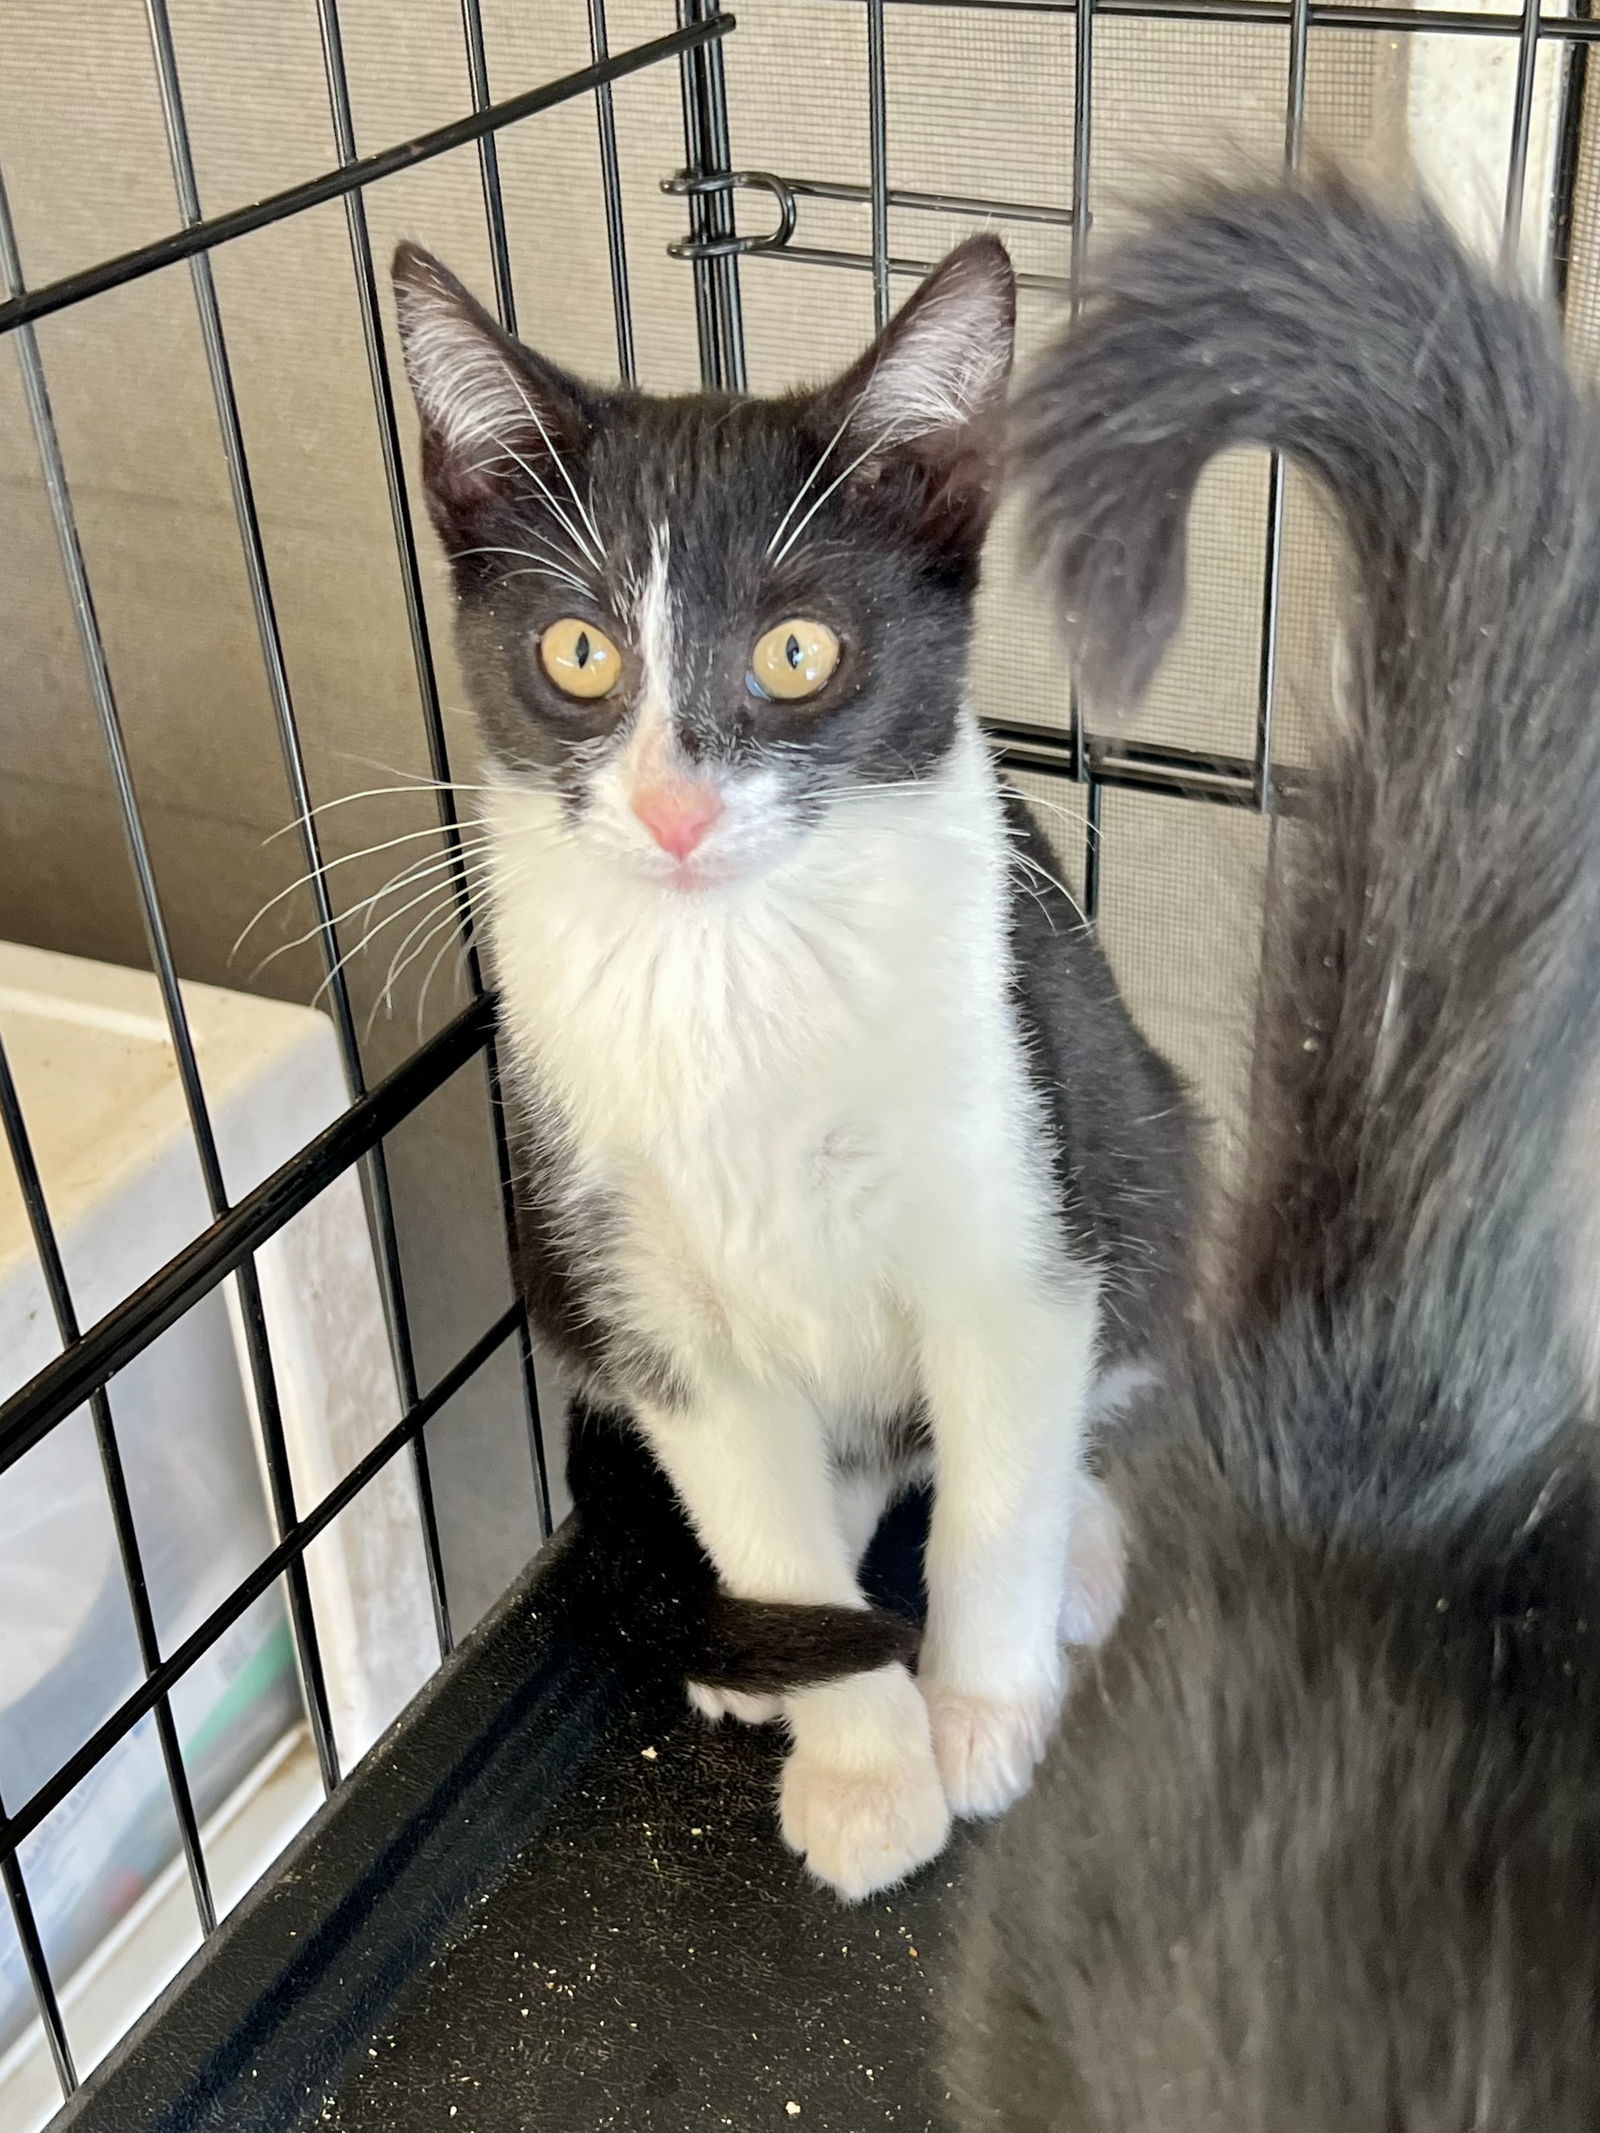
{"points": [[650, 748]]}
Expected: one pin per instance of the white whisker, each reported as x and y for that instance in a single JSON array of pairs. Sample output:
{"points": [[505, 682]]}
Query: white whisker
{"points": [[871, 791], [1027, 860], [437, 892], [377, 792], [453, 863], [557, 511], [427, 927], [418, 781], [1080, 825], [547, 558], [459, 891], [557, 577], [461, 946], [1029, 889], [327, 866], [822, 495], [369, 930], [436, 895], [817, 466], [561, 468]]}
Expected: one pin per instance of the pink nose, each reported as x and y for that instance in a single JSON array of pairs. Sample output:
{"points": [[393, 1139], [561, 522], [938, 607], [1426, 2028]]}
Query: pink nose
{"points": [[677, 813]]}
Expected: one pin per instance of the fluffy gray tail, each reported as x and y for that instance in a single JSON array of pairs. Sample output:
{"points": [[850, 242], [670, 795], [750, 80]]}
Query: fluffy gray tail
{"points": [[1437, 973]]}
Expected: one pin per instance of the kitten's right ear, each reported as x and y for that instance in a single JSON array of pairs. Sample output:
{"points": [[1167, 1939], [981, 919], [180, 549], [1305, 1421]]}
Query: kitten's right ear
{"points": [[497, 421]]}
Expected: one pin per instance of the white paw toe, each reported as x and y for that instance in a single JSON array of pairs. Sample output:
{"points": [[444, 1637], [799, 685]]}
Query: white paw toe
{"points": [[863, 1829], [987, 1746], [715, 1705]]}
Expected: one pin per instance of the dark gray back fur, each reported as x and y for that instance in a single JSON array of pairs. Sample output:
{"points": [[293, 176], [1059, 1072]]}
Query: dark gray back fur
{"points": [[1318, 1848]]}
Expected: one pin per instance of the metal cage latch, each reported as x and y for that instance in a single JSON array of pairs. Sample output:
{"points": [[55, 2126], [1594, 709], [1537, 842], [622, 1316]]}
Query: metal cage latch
{"points": [[693, 186]]}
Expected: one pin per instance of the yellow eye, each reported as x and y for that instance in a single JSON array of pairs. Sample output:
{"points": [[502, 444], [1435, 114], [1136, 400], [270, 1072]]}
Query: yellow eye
{"points": [[794, 660], [580, 659]]}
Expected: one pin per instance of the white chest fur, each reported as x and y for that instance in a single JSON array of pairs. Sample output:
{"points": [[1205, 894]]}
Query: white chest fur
{"points": [[792, 1095]]}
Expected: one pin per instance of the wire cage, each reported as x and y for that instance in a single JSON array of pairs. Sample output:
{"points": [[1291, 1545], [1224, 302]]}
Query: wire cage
{"points": [[676, 196]]}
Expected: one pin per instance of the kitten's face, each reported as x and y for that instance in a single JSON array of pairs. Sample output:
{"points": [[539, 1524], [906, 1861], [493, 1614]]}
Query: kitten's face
{"points": [[702, 623]]}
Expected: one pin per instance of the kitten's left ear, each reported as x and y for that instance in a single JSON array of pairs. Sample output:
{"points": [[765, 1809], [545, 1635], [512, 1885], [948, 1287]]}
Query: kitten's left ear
{"points": [[498, 421], [928, 397]]}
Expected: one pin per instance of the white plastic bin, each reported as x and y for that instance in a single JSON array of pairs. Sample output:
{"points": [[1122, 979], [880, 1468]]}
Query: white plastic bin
{"points": [[89, 1049]]}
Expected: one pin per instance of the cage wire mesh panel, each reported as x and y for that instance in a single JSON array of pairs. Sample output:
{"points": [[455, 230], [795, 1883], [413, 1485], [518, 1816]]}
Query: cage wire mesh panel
{"points": [[230, 705], [225, 660]]}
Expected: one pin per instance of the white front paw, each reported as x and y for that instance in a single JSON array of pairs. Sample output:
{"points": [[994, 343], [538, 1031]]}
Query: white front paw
{"points": [[861, 1798], [987, 1746], [863, 1829], [714, 1705]]}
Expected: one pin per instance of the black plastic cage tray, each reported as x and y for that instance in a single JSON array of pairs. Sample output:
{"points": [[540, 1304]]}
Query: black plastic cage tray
{"points": [[550, 1900]]}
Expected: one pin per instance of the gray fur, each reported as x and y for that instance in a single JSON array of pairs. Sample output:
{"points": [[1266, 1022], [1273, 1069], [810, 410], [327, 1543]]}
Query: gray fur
{"points": [[1318, 1847], [1122, 1131]]}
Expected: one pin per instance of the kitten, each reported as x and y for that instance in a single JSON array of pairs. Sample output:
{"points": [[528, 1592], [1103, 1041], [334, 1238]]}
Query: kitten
{"points": [[841, 1156], [1318, 1849]]}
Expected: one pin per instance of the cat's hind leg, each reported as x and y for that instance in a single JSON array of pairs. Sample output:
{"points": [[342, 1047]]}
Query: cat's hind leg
{"points": [[1091, 1598], [714, 1705], [1096, 1580]]}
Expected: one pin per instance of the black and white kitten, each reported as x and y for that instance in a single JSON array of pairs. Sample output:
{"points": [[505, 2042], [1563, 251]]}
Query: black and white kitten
{"points": [[1318, 1850], [840, 1153]]}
